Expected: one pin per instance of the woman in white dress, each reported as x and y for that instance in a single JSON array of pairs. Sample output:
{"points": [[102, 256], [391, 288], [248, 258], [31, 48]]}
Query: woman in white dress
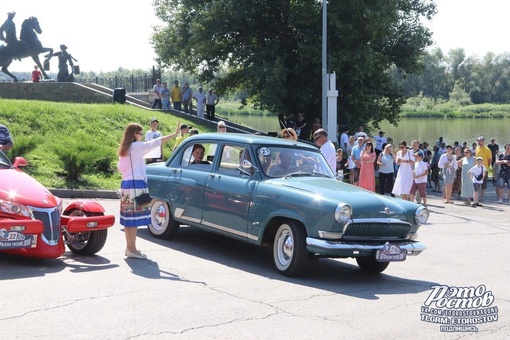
{"points": [[467, 189], [448, 163], [404, 179]]}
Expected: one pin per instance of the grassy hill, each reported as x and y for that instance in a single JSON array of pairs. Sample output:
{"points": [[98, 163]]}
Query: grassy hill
{"points": [[63, 140]]}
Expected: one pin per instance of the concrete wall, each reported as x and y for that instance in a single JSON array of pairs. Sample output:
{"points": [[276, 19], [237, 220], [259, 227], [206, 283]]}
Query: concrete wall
{"points": [[52, 91]]}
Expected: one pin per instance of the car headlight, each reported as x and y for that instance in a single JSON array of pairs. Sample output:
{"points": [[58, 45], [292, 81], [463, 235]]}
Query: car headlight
{"points": [[343, 213], [11, 208], [421, 215]]}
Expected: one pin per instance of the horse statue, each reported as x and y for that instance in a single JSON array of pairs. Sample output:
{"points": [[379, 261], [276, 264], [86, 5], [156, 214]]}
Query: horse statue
{"points": [[28, 46]]}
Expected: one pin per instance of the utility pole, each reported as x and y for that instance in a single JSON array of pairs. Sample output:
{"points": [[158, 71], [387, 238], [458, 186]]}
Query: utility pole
{"points": [[324, 64]]}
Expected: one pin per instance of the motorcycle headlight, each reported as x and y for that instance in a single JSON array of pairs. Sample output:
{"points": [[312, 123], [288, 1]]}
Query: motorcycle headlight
{"points": [[11, 208], [343, 213], [421, 215]]}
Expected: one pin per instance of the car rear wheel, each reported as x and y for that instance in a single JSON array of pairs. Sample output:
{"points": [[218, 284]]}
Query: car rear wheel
{"points": [[289, 248], [86, 243], [370, 264], [162, 223]]}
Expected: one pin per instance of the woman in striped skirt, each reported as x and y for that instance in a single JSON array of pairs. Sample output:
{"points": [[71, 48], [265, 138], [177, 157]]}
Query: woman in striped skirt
{"points": [[134, 182]]}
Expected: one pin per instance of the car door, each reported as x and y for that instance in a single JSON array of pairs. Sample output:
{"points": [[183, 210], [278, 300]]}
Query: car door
{"points": [[185, 185], [228, 193]]}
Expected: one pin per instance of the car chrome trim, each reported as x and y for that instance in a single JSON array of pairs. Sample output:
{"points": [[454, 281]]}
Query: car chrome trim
{"points": [[50, 217], [377, 220], [412, 248], [229, 230]]}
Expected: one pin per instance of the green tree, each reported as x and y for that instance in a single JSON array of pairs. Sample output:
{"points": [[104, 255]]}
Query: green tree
{"points": [[271, 50]]}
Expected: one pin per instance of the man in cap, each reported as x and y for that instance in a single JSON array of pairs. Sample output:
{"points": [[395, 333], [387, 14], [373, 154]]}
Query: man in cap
{"points": [[155, 155], [200, 98], [182, 136], [485, 153], [9, 27]]}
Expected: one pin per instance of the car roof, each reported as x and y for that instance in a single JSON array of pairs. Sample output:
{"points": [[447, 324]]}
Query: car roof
{"points": [[247, 138]]}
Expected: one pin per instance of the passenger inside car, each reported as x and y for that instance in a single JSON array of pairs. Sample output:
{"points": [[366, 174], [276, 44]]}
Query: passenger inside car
{"points": [[198, 154], [284, 166]]}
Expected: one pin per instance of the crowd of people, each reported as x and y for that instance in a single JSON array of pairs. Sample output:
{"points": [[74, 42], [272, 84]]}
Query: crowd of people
{"points": [[409, 171], [181, 99], [406, 172]]}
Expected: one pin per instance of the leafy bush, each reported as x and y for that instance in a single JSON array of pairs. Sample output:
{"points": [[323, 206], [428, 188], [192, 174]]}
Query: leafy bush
{"points": [[23, 145], [80, 154]]}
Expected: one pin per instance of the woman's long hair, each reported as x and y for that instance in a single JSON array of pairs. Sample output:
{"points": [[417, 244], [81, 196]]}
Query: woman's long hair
{"points": [[128, 137]]}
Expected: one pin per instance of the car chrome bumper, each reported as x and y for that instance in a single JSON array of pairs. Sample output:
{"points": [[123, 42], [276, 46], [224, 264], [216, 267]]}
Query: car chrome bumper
{"points": [[335, 248]]}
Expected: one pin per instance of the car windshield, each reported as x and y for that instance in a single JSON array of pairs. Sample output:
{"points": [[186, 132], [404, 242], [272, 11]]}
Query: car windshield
{"points": [[290, 161], [4, 161]]}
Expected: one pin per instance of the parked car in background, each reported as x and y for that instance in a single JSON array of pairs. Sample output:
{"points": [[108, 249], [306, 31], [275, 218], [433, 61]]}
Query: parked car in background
{"points": [[265, 190], [33, 222]]}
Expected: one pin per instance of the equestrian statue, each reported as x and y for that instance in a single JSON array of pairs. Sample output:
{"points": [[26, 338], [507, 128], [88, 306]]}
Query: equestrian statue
{"points": [[28, 45]]}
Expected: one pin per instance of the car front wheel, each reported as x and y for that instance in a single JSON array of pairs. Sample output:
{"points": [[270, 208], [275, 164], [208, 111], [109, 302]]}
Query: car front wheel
{"points": [[289, 249], [162, 223], [370, 264], [86, 243]]}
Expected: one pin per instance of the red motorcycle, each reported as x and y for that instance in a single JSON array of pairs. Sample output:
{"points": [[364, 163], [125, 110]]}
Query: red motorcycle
{"points": [[33, 222]]}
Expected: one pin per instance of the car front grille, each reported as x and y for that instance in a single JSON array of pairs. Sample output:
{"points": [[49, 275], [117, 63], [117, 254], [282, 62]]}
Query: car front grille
{"points": [[51, 220], [376, 230]]}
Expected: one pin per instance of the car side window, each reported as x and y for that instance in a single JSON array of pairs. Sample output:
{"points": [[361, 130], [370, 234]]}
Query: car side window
{"points": [[229, 159], [194, 156]]}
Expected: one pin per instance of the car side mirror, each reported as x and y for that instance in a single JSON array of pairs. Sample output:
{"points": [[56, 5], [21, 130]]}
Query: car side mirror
{"points": [[19, 162]]}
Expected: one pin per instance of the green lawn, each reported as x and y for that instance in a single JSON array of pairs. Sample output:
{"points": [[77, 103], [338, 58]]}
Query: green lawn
{"points": [[57, 138]]}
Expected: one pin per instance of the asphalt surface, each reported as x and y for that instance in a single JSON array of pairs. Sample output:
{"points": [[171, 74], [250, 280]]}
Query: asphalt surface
{"points": [[203, 286]]}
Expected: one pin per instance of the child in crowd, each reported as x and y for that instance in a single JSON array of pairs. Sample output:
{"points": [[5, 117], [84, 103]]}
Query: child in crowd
{"points": [[420, 173], [155, 155], [477, 173]]}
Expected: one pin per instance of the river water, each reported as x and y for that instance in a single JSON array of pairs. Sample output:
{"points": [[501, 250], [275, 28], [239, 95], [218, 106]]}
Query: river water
{"points": [[422, 129]]}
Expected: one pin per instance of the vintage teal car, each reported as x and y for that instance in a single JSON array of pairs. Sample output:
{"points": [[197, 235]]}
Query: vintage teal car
{"points": [[265, 190]]}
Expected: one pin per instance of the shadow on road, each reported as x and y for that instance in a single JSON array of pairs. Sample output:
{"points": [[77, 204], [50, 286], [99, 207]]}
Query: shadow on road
{"points": [[338, 276], [17, 267]]}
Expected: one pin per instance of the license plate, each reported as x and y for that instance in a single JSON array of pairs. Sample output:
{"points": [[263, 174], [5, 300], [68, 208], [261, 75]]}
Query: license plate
{"points": [[390, 253], [16, 240]]}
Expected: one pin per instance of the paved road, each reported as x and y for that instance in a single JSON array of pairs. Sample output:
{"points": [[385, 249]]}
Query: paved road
{"points": [[202, 286]]}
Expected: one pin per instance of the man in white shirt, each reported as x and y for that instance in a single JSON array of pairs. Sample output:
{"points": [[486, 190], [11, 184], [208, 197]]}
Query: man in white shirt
{"points": [[157, 88], [200, 98], [320, 137]]}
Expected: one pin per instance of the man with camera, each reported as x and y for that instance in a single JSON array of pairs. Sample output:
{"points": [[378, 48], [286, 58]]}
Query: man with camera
{"points": [[504, 173]]}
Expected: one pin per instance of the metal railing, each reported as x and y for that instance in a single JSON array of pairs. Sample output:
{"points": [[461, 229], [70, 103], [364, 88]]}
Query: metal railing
{"points": [[131, 84]]}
